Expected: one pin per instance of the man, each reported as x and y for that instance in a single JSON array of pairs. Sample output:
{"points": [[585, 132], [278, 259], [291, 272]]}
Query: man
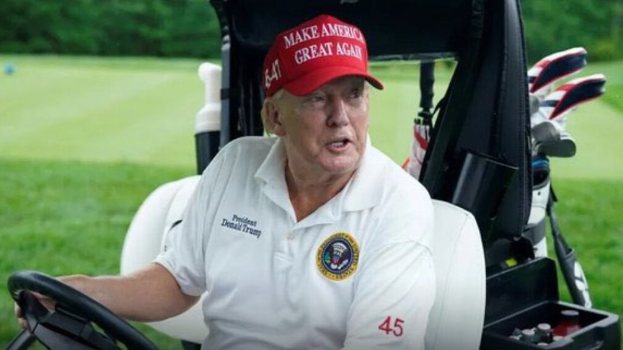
{"points": [[312, 239]]}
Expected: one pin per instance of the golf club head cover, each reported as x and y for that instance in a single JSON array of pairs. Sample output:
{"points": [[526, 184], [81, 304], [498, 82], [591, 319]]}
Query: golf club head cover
{"points": [[554, 67], [421, 136], [558, 104]]}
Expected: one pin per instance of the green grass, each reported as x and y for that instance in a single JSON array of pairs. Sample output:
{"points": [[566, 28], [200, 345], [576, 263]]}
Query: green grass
{"points": [[100, 110], [614, 80], [597, 128], [589, 214], [69, 217], [392, 110], [84, 140], [142, 111], [614, 96]]}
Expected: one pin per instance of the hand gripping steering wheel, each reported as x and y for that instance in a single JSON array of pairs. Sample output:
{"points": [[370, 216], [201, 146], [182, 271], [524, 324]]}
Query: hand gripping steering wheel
{"points": [[70, 325]]}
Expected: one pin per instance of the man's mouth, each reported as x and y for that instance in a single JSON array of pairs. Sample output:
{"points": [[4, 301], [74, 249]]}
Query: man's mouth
{"points": [[339, 144]]}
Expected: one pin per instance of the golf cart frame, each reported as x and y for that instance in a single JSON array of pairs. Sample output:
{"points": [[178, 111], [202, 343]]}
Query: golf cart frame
{"points": [[479, 155]]}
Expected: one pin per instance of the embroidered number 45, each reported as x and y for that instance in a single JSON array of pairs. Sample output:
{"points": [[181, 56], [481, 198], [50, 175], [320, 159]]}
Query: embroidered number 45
{"points": [[394, 328]]}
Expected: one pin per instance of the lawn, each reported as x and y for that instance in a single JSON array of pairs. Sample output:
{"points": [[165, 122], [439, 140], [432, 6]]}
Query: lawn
{"points": [[63, 217], [83, 141], [100, 110]]}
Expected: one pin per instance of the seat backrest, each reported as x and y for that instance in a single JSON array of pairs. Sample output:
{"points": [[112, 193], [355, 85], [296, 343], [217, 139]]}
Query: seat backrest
{"points": [[457, 317], [150, 226]]}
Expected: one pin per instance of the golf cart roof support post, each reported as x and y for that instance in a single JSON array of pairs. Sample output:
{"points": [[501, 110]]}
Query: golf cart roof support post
{"points": [[427, 82], [226, 96]]}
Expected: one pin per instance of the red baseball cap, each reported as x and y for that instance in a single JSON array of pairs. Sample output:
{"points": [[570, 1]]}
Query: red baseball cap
{"points": [[312, 54]]}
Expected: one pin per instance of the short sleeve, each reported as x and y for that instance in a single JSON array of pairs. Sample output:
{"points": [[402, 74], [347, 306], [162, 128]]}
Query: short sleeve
{"points": [[183, 254], [395, 289]]}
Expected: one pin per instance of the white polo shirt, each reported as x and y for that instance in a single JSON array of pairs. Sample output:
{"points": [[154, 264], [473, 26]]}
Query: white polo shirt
{"points": [[355, 274]]}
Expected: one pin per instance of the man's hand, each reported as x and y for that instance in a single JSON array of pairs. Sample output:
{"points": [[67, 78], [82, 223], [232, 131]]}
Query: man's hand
{"points": [[45, 301], [147, 295]]}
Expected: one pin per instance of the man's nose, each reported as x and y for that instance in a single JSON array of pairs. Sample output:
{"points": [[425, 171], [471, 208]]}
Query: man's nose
{"points": [[338, 112]]}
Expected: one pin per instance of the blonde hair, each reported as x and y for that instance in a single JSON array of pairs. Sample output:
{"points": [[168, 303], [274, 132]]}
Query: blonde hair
{"points": [[264, 113]]}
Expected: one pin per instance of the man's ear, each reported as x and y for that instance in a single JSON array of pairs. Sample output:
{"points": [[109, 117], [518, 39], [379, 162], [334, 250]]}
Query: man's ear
{"points": [[274, 117]]}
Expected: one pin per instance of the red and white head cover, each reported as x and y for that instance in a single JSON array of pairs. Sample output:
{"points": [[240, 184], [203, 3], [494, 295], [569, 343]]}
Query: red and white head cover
{"points": [[554, 67], [314, 53]]}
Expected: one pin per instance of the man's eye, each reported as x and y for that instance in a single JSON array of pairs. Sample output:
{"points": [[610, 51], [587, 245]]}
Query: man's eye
{"points": [[356, 93], [316, 98]]}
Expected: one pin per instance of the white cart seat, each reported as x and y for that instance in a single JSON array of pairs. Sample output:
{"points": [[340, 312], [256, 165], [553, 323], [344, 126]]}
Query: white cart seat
{"points": [[457, 316], [143, 242]]}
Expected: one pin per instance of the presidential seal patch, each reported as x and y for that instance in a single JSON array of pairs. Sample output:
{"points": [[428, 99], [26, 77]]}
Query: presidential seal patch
{"points": [[338, 256]]}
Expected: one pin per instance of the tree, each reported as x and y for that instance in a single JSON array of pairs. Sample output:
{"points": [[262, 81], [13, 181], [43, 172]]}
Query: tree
{"points": [[552, 26]]}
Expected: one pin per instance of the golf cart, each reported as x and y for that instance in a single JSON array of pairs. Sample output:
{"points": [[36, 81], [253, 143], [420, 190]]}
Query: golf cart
{"points": [[477, 167]]}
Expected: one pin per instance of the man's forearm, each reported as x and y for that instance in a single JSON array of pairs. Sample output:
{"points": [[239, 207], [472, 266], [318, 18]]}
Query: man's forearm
{"points": [[150, 294]]}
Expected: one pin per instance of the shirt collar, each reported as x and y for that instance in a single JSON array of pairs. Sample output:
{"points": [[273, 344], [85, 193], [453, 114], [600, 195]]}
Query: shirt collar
{"points": [[363, 191], [272, 168], [272, 173]]}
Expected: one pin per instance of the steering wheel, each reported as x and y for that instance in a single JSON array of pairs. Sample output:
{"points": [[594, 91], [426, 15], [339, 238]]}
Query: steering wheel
{"points": [[70, 325]]}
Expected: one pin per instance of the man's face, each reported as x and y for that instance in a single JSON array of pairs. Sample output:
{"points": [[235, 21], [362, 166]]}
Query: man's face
{"points": [[325, 132]]}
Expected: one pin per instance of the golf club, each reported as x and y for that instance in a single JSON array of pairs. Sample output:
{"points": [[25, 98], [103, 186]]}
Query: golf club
{"points": [[569, 264], [565, 147], [543, 133], [413, 164], [554, 67], [549, 139], [568, 96]]}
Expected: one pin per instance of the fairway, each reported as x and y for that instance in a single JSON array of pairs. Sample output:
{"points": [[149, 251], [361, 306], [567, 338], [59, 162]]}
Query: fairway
{"points": [[83, 141], [100, 110], [598, 131], [143, 111]]}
